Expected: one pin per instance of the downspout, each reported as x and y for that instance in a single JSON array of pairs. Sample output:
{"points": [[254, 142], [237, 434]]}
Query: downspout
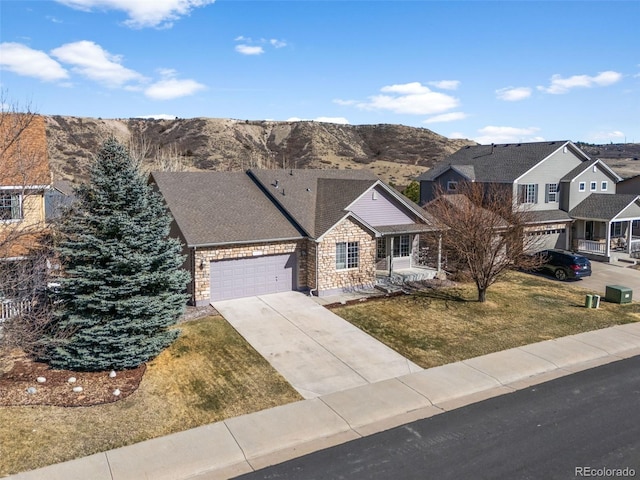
{"points": [[391, 258], [193, 278], [315, 289], [439, 253]]}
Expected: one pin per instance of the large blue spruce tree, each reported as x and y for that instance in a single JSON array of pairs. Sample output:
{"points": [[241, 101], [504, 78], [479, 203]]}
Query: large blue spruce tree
{"points": [[122, 285]]}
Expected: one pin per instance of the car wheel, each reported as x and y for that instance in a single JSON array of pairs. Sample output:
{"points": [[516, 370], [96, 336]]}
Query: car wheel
{"points": [[561, 274]]}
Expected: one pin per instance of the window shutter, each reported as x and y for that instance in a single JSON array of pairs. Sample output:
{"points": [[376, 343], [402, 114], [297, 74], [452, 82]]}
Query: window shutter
{"points": [[535, 193], [546, 193]]}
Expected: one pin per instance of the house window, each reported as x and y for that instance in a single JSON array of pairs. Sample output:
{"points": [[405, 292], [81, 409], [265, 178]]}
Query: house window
{"points": [[616, 229], [10, 206], [552, 192], [452, 186], [401, 246], [582, 187], [347, 255], [603, 186], [594, 186], [528, 193], [381, 248]]}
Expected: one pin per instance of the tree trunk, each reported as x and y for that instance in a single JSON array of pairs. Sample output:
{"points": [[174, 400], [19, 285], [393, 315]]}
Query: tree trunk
{"points": [[482, 295]]}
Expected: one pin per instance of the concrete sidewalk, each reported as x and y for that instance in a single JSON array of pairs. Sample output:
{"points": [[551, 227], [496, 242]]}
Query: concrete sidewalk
{"points": [[314, 349], [250, 442]]}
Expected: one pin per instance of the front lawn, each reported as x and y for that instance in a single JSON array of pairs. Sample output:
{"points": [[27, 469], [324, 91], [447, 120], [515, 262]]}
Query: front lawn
{"points": [[210, 373], [435, 327]]}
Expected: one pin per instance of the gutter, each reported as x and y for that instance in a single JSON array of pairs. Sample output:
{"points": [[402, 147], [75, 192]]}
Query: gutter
{"points": [[317, 280]]}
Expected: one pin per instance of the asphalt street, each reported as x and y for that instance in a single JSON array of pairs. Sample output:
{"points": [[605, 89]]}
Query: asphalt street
{"points": [[575, 425]]}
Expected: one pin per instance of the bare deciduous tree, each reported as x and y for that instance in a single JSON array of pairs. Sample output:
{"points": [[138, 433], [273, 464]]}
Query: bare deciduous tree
{"points": [[24, 236], [485, 232]]}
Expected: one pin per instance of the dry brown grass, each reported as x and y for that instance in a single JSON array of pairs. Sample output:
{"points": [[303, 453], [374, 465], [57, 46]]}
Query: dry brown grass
{"points": [[210, 373], [442, 326]]}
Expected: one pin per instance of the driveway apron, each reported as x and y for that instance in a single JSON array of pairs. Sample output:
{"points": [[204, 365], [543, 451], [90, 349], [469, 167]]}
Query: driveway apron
{"points": [[316, 351]]}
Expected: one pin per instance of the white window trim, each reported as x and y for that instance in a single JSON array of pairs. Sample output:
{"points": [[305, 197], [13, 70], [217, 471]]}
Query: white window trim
{"points": [[527, 194], [397, 243], [604, 186], [355, 245], [549, 193], [452, 186], [20, 208], [582, 187], [593, 186]]}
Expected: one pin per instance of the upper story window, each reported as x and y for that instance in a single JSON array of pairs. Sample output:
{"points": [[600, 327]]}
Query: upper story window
{"points": [[552, 192], [10, 206], [452, 186], [603, 186], [347, 255], [594, 186], [582, 186], [528, 193]]}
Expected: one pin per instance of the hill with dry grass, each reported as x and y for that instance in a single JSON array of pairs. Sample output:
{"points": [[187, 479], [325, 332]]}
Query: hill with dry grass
{"points": [[396, 153]]}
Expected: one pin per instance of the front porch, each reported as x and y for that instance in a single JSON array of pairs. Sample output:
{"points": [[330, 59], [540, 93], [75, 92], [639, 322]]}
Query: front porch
{"points": [[608, 240], [397, 278]]}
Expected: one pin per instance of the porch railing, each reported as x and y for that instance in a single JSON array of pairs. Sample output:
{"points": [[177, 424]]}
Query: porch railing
{"points": [[12, 308], [591, 246]]}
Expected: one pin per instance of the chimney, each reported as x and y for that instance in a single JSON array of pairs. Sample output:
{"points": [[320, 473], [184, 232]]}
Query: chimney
{"points": [[492, 147]]}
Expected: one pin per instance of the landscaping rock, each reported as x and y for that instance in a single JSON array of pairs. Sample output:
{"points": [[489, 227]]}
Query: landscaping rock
{"points": [[112, 374], [31, 390], [77, 389], [41, 379], [72, 380], [116, 392]]}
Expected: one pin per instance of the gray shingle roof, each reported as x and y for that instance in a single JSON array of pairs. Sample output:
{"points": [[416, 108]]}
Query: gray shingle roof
{"points": [[495, 163], [222, 207], [602, 206], [587, 165], [544, 216], [315, 199]]}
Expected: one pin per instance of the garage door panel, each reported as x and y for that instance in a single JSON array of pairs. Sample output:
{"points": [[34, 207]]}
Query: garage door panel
{"points": [[246, 277]]}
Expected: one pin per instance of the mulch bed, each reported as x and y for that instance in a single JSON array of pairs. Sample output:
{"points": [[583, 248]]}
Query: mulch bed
{"points": [[97, 387]]}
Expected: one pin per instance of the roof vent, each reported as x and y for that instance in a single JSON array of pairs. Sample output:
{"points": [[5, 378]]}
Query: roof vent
{"points": [[308, 189], [291, 172], [283, 192], [276, 184]]}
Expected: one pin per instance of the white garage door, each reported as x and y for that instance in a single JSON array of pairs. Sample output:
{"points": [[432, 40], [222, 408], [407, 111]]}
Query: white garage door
{"points": [[553, 239], [246, 277]]}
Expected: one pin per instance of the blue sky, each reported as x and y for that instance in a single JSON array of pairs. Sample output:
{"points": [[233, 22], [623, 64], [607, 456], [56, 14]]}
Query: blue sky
{"points": [[500, 72]]}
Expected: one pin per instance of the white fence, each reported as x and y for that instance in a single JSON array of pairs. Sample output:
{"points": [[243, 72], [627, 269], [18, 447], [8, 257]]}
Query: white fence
{"points": [[591, 246], [12, 308]]}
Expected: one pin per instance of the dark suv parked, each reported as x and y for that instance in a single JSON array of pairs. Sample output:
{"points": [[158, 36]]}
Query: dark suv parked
{"points": [[564, 265]]}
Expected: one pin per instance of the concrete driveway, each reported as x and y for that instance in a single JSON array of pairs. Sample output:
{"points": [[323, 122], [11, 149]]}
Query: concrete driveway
{"points": [[316, 351], [603, 274]]}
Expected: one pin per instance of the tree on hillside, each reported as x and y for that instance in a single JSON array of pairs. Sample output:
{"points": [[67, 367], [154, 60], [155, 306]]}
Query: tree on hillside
{"points": [[122, 285], [484, 232], [412, 192]]}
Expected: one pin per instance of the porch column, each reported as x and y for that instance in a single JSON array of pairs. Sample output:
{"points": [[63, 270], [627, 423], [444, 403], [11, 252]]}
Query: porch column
{"points": [[608, 244], [391, 257], [628, 236]]}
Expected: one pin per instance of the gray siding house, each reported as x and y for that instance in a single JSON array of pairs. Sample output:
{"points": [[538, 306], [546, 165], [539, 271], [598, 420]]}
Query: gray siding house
{"points": [[266, 231], [572, 197]]}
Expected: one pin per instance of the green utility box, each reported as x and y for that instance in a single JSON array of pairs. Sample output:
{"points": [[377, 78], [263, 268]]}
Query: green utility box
{"points": [[588, 301], [618, 294]]}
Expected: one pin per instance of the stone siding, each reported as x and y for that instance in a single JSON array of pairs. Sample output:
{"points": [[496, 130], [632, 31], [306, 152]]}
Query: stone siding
{"points": [[332, 280]]}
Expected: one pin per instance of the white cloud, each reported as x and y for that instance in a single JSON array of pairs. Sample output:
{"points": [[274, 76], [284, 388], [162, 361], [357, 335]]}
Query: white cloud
{"points": [[249, 49], [344, 103], [493, 134], [446, 117], [513, 94], [277, 43], [159, 116], [410, 98], [92, 61], [142, 13], [446, 84], [561, 85], [608, 136], [25, 61], [340, 120], [169, 88]]}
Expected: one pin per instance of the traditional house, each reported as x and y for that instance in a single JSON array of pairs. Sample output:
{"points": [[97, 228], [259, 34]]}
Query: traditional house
{"points": [[266, 231], [571, 197]]}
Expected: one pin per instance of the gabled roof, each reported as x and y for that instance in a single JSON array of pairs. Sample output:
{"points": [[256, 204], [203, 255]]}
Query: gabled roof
{"points": [[24, 160], [315, 199], [498, 163], [602, 206], [586, 166], [213, 208]]}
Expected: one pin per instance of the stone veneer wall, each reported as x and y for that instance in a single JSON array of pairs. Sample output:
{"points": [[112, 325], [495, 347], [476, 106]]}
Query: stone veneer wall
{"points": [[228, 252], [332, 280]]}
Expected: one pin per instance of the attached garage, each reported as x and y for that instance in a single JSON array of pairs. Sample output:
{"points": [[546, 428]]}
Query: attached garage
{"points": [[247, 277]]}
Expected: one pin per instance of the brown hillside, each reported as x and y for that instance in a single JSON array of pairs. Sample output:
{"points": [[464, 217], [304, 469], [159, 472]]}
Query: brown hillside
{"points": [[396, 153]]}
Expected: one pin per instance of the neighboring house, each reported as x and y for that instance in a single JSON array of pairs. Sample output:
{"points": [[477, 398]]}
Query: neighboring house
{"points": [[59, 196], [571, 197], [266, 231], [24, 178], [629, 185]]}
